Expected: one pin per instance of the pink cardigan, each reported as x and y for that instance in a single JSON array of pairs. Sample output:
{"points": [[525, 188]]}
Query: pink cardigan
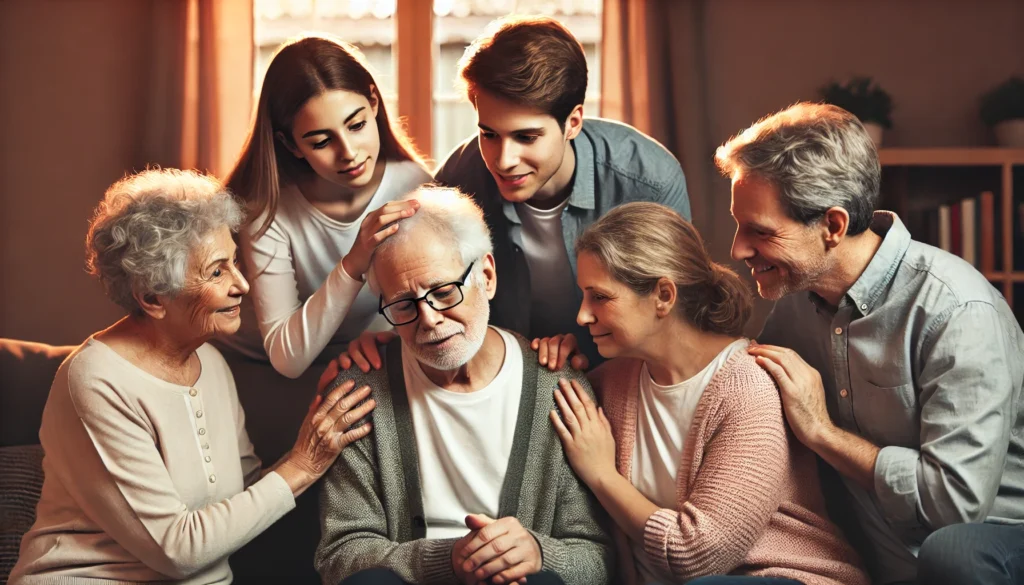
{"points": [[749, 501]]}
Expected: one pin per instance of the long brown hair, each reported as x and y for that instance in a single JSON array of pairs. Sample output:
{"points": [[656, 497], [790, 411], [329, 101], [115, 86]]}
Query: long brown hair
{"points": [[641, 242], [300, 70]]}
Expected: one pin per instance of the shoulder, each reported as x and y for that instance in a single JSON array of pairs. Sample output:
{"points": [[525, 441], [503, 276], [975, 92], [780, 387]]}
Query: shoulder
{"points": [[408, 175], [214, 364], [631, 154], [546, 379], [618, 373], [943, 279], [742, 385], [97, 381], [465, 170]]}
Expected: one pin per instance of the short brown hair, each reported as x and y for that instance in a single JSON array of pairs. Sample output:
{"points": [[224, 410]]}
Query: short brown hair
{"points": [[533, 61], [640, 243]]}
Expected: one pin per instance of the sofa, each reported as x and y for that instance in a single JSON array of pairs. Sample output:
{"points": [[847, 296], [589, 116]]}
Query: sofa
{"points": [[274, 407]]}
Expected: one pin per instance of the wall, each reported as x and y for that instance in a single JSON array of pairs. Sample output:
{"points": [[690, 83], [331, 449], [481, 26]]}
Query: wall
{"points": [[71, 93]]}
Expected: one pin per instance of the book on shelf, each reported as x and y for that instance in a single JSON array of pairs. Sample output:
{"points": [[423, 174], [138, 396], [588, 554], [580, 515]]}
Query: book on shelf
{"points": [[969, 228], [986, 232]]}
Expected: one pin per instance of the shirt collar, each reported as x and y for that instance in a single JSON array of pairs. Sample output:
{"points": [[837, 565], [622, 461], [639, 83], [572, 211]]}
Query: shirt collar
{"points": [[878, 275], [582, 195]]}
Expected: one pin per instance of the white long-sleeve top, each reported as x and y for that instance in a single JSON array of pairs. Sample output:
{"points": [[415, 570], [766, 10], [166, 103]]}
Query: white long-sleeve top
{"points": [[301, 299], [145, 480]]}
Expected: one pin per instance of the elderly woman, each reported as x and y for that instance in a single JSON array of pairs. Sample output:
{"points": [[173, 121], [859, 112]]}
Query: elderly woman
{"points": [[150, 475], [689, 452]]}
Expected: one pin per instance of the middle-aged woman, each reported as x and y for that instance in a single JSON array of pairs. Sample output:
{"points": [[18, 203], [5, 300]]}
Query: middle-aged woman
{"points": [[149, 472], [689, 452]]}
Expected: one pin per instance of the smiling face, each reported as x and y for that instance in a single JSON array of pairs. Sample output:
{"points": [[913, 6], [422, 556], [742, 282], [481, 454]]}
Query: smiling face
{"points": [[443, 340], [619, 320], [336, 133], [784, 255], [525, 149], [209, 304]]}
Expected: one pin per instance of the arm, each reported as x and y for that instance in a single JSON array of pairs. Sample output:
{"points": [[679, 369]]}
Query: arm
{"points": [[131, 496], [294, 332], [955, 476], [354, 530]]}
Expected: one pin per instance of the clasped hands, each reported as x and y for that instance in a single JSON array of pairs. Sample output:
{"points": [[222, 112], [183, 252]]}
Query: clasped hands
{"points": [[495, 551]]}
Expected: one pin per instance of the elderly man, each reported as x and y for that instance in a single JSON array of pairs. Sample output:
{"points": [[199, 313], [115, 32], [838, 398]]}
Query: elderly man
{"points": [[463, 478], [905, 365]]}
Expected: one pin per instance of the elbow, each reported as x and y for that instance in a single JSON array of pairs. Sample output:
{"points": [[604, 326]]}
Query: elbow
{"points": [[179, 565], [285, 365]]}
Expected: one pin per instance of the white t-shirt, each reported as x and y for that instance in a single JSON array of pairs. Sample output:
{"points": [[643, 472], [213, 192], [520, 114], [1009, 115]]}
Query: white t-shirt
{"points": [[301, 300], [552, 283], [664, 415], [464, 441]]}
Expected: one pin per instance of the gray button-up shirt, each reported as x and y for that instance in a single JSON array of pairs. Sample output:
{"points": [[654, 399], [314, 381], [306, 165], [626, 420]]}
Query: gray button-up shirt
{"points": [[923, 358], [615, 164]]}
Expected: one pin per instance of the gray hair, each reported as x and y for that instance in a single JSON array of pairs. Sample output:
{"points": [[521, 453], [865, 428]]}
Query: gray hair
{"points": [[143, 232], [452, 216], [819, 156]]}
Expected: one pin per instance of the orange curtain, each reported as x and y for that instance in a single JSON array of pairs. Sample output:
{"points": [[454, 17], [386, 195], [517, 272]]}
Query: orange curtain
{"points": [[201, 83], [653, 77]]}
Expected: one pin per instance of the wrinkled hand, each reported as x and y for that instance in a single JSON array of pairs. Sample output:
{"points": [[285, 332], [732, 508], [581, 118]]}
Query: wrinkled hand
{"points": [[362, 352], [376, 227], [801, 390], [585, 432], [326, 429], [554, 351], [496, 551]]}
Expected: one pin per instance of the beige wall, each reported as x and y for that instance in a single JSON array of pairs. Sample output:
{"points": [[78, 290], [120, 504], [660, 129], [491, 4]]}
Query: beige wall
{"points": [[73, 79]]}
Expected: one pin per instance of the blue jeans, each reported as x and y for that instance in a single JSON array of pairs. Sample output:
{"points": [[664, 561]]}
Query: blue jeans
{"points": [[972, 553], [741, 580], [385, 577]]}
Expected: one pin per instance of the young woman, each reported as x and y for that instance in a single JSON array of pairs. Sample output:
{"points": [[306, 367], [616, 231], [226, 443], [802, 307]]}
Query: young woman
{"points": [[320, 172], [689, 453]]}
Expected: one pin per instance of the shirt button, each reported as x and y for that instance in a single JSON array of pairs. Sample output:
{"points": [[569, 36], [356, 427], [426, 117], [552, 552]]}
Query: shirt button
{"points": [[206, 445], [843, 393], [213, 479], [202, 431], [192, 392], [864, 307], [208, 458], [199, 414], [839, 330]]}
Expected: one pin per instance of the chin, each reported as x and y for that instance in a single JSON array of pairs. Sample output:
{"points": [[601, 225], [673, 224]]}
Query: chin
{"points": [[607, 348]]}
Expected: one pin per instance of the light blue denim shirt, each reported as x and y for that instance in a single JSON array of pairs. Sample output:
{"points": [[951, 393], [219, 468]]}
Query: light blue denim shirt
{"points": [[615, 164], [923, 358]]}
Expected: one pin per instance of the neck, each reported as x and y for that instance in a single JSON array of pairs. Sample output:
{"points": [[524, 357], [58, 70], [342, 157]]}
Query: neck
{"points": [[853, 255], [680, 351], [337, 201], [160, 343], [559, 186], [475, 374]]}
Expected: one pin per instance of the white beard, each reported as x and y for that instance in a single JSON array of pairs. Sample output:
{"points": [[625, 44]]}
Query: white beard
{"points": [[465, 346]]}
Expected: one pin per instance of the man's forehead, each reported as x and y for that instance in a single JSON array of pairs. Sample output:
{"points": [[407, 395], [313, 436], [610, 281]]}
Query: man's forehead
{"points": [[413, 272]]}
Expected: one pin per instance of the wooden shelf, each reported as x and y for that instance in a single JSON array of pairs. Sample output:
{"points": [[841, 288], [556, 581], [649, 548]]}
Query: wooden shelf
{"points": [[982, 156], [1005, 277]]}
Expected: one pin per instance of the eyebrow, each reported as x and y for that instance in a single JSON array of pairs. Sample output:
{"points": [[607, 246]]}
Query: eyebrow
{"points": [[222, 260], [519, 131], [325, 131]]}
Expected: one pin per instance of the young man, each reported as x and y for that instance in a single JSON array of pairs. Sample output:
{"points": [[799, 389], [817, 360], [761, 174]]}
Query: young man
{"points": [[904, 368], [542, 173]]}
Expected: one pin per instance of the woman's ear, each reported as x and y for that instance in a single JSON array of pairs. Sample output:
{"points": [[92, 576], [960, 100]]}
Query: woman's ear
{"points": [[151, 304], [280, 137], [665, 295], [374, 100]]}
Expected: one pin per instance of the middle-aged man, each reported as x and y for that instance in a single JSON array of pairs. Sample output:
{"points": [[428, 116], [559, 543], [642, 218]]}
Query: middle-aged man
{"points": [[543, 173], [905, 365], [463, 478]]}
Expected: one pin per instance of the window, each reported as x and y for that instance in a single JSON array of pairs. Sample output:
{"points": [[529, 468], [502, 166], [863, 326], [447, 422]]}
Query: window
{"points": [[371, 25]]}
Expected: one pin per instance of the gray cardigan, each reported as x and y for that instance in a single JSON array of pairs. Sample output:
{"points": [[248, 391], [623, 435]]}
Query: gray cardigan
{"points": [[371, 507]]}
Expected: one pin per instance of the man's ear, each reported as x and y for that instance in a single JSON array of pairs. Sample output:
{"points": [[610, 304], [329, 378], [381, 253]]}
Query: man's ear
{"points": [[665, 296], [834, 226], [280, 137], [151, 304], [574, 123], [490, 276]]}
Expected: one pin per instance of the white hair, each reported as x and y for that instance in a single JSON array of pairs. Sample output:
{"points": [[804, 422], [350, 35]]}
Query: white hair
{"points": [[452, 217], [819, 156], [143, 232]]}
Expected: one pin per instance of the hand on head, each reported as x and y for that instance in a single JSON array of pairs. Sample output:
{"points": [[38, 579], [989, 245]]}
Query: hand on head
{"points": [[376, 227]]}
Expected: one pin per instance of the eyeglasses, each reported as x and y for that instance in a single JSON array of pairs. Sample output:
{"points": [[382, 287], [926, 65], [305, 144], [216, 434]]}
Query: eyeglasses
{"points": [[440, 298]]}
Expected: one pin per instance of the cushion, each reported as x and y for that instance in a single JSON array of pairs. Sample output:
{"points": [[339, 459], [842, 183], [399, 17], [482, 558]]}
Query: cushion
{"points": [[26, 372], [21, 481]]}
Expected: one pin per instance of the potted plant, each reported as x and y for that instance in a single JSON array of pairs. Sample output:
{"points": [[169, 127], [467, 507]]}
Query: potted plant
{"points": [[1002, 108], [864, 99]]}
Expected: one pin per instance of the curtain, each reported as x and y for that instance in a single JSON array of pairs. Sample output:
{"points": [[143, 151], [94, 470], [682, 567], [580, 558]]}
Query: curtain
{"points": [[653, 77]]}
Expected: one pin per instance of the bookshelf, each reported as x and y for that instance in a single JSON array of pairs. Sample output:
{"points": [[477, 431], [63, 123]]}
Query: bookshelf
{"points": [[913, 178]]}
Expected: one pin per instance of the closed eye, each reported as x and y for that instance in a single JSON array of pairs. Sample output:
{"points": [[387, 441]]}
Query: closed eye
{"points": [[357, 126]]}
